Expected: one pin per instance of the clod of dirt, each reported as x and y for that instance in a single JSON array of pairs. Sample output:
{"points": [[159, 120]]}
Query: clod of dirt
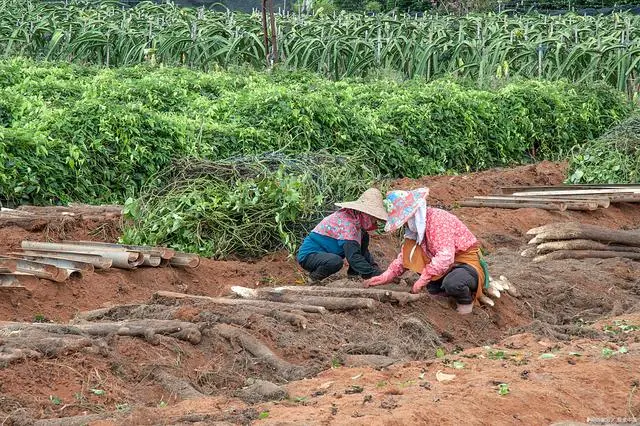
{"points": [[418, 329], [375, 361], [262, 391], [389, 404], [354, 389]]}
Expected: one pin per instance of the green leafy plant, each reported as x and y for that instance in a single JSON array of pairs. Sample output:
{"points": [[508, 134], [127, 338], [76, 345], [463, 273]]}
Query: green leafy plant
{"points": [[491, 354], [55, 400], [263, 415], [40, 318], [335, 363], [612, 158], [503, 389], [621, 326]]}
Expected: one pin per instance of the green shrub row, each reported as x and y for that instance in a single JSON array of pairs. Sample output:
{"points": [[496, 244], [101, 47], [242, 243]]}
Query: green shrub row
{"points": [[74, 133]]}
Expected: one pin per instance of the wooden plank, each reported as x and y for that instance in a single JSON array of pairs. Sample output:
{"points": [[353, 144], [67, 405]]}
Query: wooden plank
{"points": [[600, 201], [611, 191], [529, 205], [511, 189]]}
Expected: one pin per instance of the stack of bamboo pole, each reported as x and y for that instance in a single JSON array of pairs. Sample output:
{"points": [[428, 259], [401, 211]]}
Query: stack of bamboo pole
{"points": [[559, 198], [59, 261], [579, 241]]}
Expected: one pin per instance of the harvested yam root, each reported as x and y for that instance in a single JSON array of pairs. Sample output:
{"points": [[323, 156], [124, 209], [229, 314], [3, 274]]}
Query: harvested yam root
{"points": [[168, 295], [379, 295], [586, 254], [27, 340], [329, 302], [259, 350], [176, 386]]}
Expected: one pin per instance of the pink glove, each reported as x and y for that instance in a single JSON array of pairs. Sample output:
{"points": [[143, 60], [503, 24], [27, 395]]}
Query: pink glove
{"points": [[382, 279], [419, 285]]}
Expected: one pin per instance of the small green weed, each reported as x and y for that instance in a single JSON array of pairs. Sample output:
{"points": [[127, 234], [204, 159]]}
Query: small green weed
{"points": [[503, 389], [620, 326]]}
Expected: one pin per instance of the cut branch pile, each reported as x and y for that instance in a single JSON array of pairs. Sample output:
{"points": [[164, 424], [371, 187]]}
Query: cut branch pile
{"points": [[59, 261], [559, 197], [579, 241], [35, 219]]}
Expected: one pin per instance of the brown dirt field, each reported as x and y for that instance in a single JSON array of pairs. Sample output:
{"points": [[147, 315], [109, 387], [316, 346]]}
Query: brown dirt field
{"points": [[563, 308]]}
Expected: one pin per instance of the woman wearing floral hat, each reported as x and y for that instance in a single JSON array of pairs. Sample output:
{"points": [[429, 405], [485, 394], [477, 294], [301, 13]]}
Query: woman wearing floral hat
{"points": [[438, 246], [344, 235]]}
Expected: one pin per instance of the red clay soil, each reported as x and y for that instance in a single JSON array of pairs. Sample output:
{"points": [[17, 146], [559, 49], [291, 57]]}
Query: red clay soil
{"points": [[560, 299], [543, 382]]}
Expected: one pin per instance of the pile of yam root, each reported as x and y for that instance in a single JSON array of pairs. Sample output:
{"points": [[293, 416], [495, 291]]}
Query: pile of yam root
{"points": [[572, 240]]}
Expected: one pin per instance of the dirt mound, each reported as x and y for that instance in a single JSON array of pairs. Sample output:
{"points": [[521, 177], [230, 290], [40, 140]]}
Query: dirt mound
{"points": [[141, 364]]}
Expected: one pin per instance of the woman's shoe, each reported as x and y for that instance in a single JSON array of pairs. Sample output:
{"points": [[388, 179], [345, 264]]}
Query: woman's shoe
{"points": [[314, 282], [465, 309]]}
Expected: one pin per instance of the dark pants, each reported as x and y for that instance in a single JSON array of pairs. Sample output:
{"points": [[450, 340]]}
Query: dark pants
{"points": [[321, 265], [460, 283]]}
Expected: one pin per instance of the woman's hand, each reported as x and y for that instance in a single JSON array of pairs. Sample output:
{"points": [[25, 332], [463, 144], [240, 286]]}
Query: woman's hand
{"points": [[382, 279], [419, 285]]}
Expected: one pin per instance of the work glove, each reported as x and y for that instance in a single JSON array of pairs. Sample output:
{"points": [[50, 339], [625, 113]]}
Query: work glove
{"points": [[419, 285], [385, 278]]}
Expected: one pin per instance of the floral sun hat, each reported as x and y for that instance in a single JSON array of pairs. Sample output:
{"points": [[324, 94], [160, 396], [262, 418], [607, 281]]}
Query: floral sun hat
{"points": [[402, 205]]}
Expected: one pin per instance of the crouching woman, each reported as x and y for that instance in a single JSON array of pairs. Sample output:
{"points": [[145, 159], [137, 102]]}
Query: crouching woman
{"points": [[344, 235], [438, 246]]}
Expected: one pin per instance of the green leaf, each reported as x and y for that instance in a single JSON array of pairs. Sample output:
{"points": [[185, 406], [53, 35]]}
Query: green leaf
{"points": [[547, 356], [458, 365], [263, 415], [440, 353], [503, 389], [607, 353]]}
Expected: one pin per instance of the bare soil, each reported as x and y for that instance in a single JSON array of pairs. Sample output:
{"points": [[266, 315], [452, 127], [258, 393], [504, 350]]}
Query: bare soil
{"points": [[361, 367]]}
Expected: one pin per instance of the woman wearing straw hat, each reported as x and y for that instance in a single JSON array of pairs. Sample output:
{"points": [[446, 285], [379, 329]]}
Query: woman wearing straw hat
{"points": [[438, 246], [344, 234]]}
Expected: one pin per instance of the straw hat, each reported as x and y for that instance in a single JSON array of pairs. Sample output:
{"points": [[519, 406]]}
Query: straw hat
{"points": [[370, 202]]}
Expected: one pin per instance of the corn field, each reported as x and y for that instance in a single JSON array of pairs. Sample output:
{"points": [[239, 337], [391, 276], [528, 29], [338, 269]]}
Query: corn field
{"points": [[478, 47]]}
